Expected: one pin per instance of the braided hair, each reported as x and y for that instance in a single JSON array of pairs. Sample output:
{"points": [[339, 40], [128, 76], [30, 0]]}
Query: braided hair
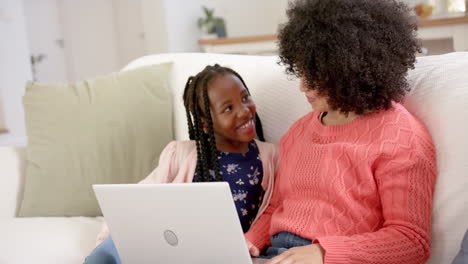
{"points": [[195, 97]]}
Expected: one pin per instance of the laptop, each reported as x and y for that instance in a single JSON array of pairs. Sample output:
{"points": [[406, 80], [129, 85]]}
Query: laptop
{"points": [[182, 223]]}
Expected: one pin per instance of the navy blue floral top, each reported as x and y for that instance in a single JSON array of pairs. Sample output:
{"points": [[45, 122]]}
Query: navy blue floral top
{"points": [[244, 173]]}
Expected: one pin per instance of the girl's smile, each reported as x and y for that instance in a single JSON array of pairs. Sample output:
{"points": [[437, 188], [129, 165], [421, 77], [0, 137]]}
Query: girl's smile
{"points": [[247, 127]]}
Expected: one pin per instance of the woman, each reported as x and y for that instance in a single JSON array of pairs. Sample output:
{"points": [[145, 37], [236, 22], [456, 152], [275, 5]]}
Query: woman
{"points": [[357, 174]]}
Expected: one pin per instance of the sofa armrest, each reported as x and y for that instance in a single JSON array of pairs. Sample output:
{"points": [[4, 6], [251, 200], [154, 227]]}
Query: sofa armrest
{"points": [[12, 171]]}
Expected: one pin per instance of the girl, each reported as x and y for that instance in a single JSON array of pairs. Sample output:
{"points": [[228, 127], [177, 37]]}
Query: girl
{"points": [[222, 123], [356, 179]]}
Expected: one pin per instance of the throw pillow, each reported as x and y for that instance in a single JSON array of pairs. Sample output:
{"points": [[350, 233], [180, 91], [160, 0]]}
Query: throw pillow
{"points": [[107, 130]]}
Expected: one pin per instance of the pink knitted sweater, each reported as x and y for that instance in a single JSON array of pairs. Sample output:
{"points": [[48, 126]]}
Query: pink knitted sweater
{"points": [[362, 190]]}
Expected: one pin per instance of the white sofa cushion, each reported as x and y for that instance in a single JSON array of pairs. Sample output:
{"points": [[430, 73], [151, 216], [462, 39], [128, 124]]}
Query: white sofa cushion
{"points": [[55, 240], [439, 98], [12, 171]]}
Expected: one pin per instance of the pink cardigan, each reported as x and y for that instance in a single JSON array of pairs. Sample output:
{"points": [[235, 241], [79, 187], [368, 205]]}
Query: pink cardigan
{"points": [[177, 164]]}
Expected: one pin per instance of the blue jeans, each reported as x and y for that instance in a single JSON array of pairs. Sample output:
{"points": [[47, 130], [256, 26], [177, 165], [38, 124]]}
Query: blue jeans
{"points": [[282, 242], [105, 253], [462, 257]]}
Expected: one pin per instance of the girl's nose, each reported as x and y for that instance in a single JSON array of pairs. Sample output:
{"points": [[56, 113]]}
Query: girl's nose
{"points": [[244, 112]]}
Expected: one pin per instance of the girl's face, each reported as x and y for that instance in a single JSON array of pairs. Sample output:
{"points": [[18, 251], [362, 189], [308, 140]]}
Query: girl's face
{"points": [[232, 111], [318, 103]]}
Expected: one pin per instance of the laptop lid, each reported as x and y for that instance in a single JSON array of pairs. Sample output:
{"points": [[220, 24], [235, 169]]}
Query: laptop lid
{"points": [[174, 223]]}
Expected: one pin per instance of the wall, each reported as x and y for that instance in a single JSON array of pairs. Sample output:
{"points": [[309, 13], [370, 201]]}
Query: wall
{"points": [[247, 17], [110, 36], [90, 38], [14, 68], [129, 30], [282, 6], [242, 18], [45, 36], [154, 26], [171, 25]]}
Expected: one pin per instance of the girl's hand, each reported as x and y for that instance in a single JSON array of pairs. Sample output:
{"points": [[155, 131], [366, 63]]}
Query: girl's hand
{"points": [[311, 254], [253, 250]]}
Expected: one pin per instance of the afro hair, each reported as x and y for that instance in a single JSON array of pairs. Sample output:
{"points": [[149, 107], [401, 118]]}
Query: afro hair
{"points": [[356, 52]]}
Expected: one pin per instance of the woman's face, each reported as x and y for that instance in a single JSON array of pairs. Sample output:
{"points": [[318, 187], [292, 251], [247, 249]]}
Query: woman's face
{"points": [[318, 102]]}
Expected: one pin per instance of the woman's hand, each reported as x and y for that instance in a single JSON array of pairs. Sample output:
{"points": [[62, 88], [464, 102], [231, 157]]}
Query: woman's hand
{"points": [[311, 254], [253, 250]]}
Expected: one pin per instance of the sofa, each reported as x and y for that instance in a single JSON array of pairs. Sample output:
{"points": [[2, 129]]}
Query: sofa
{"points": [[438, 97]]}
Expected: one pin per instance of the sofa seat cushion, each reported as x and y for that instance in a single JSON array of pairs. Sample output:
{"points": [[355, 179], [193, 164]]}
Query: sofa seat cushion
{"points": [[47, 240]]}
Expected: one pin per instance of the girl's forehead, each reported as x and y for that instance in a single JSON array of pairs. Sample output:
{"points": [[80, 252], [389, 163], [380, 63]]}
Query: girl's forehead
{"points": [[224, 82], [224, 76]]}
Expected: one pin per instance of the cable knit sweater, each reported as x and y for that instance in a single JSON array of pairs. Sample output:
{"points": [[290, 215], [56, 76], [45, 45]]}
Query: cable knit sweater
{"points": [[363, 190]]}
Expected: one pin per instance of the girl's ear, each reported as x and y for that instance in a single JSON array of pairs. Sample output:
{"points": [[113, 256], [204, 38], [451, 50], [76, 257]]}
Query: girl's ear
{"points": [[204, 126]]}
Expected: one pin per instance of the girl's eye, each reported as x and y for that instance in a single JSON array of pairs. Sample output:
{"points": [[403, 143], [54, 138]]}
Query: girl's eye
{"points": [[227, 109]]}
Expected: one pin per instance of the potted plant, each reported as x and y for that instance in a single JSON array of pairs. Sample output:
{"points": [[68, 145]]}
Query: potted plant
{"points": [[210, 25]]}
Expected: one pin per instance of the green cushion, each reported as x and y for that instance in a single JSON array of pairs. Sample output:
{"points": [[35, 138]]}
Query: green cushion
{"points": [[107, 130]]}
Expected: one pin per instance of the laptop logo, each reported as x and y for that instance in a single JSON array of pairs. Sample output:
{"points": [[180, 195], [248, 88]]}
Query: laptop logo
{"points": [[171, 238]]}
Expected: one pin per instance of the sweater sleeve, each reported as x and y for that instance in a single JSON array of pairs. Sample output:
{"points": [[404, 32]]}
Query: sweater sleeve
{"points": [[405, 183], [259, 232]]}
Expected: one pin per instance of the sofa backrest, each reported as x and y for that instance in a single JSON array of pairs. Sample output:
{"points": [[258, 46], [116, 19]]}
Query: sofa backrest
{"points": [[439, 98], [279, 102]]}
